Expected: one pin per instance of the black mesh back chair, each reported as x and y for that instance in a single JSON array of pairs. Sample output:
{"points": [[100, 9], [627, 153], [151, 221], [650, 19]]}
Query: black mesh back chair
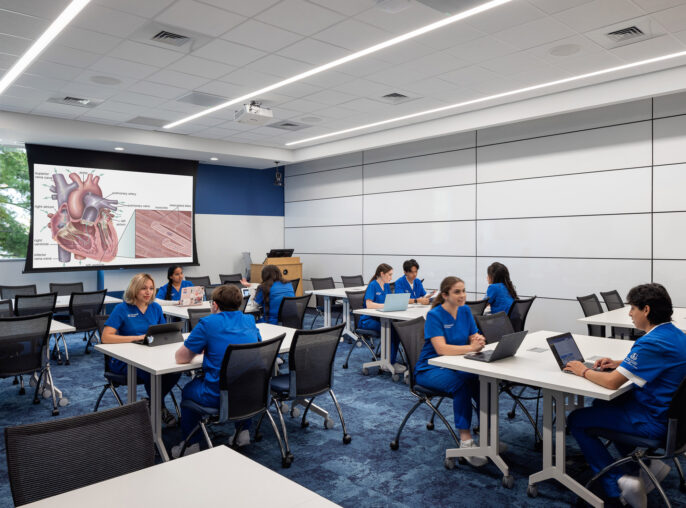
{"points": [[232, 277], [613, 301], [363, 337], [351, 281], [67, 288], [27, 305], [209, 289], [292, 311], [9, 292], [325, 283], [673, 445], [590, 305], [23, 350], [411, 335], [234, 283], [6, 308], [478, 307], [244, 388], [310, 372], [518, 312], [83, 307], [295, 283], [49, 458], [494, 326], [195, 315], [201, 280]]}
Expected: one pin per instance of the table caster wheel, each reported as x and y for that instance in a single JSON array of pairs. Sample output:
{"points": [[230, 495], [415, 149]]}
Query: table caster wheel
{"points": [[295, 412], [63, 401], [33, 381], [328, 423], [510, 414], [508, 481], [429, 426], [365, 371], [47, 394], [449, 463], [395, 445], [284, 407], [358, 344], [347, 438], [532, 491], [395, 378]]}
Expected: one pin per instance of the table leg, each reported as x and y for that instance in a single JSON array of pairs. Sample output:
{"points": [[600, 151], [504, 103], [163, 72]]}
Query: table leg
{"points": [[347, 319], [383, 362], [131, 383], [489, 442], [327, 311], [554, 464], [156, 414]]}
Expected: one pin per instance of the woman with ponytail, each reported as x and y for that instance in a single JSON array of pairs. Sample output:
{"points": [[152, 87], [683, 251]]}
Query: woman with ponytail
{"points": [[172, 289], [270, 293], [450, 329], [500, 292]]}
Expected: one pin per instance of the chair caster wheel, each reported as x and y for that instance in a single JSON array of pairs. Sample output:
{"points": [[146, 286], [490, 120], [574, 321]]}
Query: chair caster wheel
{"points": [[345, 365], [365, 371], [66, 362], [508, 481], [295, 412], [47, 394], [538, 446], [16, 381], [347, 439], [285, 463], [284, 407], [429, 426], [88, 351], [395, 445], [395, 378], [33, 381], [532, 491], [476, 430], [682, 487], [510, 414], [258, 437], [55, 412], [22, 391], [358, 344], [449, 463], [63, 401], [36, 401], [290, 457], [328, 423], [304, 424]]}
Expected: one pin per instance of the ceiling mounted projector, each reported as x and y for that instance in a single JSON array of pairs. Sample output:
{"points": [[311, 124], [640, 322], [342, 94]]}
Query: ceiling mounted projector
{"points": [[253, 114]]}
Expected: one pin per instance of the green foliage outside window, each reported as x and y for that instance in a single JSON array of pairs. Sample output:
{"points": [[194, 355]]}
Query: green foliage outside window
{"points": [[15, 202]]}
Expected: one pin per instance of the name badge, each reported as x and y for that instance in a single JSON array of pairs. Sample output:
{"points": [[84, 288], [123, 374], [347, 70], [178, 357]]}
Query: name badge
{"points": [[448, 326], [132, 315]]}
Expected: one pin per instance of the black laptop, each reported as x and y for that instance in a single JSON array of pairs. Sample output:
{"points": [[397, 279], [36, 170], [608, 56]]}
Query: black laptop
{"points": [[507, 346], [565, 350], [159, 335]]}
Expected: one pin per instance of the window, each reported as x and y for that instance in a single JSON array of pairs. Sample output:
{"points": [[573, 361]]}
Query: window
{"points": [[15, 202]]}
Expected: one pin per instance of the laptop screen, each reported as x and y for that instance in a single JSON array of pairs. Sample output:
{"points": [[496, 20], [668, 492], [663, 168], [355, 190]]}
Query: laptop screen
{"points": [[565, 349]]}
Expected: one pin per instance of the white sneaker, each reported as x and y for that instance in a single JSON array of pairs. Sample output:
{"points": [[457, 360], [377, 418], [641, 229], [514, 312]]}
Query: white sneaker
{"points": [[190, 450], [659, 469], [399, 368], [242, 440], [474, 461], [633, 491]]}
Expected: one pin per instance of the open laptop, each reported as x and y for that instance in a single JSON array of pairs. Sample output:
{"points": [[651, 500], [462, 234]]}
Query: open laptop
{"points": [[396, 302], [507, 346], [192, 295], [565, 350], [159, 335]]}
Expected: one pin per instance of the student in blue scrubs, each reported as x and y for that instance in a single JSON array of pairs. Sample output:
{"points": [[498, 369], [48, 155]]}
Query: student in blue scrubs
{"points": [[172, 289], [450, 329], [211, 336], [128, 323], [270, 293], [409, 283], [500, 292], [656, 365]]}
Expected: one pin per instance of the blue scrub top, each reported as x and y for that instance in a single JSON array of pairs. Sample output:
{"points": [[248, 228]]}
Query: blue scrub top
{"points": [[376, 294], [439, 323], [175, 295], [127, 319], [276, 293], [656, 364], [213, 334], [499, 298], [416, 290]]}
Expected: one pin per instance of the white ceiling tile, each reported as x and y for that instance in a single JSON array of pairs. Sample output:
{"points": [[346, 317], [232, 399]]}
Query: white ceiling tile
{"points": [[22, 25], [201, 67], [138, 99], [299, 89], [261, 36], [364, 66], [95, 119], [415, 16], [300, 16], [365, 35], [228, 53], [674, 20], [364, 105], [158, 90], [87, 76], [468, 76], [337, 112], [349, 7], [221, 89], [598, 13], [679, 35], [117, 66], [478, 50], [450, 36], [216, 133], [18, 104], [60, 110], [658, 46], [249, 78], [364, 88], [582, 64], [77, 89], [101, 114], [25, 92], [313, 52], [504, 16], [145, 54], [40, 82], [178, 79], [330, 97], [541, 75], [584, 44], [278, 66], [102, 19], [75, 37], [7, 61], [535, 33], [69, 56], [553, 6], [120, 107], [657, 5], [404, 52], [200, 18], [429, 86], [11, 45], [39, 8], [54, 70], [147, 8], [302, 105], [513, 64], [328, 79], [242, 6]]}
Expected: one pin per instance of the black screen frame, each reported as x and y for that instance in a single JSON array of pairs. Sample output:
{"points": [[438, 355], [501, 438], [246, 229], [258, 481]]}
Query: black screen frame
{"points": [[76, 157]]}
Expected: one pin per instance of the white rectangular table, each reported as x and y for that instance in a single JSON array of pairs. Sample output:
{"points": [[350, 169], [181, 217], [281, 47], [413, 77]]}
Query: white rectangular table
{"points": [[337, 294], [182, 312], [215, 477], [541, 370], [620, 318], [63, 301]]}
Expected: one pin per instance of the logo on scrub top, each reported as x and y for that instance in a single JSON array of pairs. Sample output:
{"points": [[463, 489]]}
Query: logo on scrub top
{"points": [[632, 359]]}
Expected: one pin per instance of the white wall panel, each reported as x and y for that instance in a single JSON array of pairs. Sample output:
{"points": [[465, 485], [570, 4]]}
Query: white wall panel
{"points": [[568, 278], [324, 212], [555, 316], [425, 146], [428, 238], [669, 183], [669, 136], [339, 161], [441, 204], [625, 191], [669, 241], [610, 236], [672, 275], [431, 268], [325, 184], [325, 240], [326, 265], [669, 105], [436, 170], [623, 146], [10, 275]]}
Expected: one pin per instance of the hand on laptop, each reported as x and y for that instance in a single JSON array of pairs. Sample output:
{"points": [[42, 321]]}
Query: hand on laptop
{"points": [[575, 367], [423, 301], [606, 364], [477, 341]]}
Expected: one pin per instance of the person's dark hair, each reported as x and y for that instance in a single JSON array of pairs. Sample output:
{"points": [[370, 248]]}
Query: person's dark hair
{"points": [[382, 268], [409, 264], [270, 275], [170, 272], [446, 284], [498, 272], [656, 297], [227, 298]]}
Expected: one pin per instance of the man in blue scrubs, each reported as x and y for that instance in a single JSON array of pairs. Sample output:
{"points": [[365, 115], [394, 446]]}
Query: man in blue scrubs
{"points": [[409, 283], [211, 336], [656, 365]]}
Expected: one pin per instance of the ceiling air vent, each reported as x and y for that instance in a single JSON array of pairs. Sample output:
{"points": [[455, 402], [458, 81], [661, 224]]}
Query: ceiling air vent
{"points": [[75, 101], [170, 38], [625, 34], [395, 98], [288, 125], [628, 32]]}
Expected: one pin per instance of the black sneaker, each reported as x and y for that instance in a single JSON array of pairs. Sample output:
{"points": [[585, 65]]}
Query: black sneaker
{"points": [[168, 418]]}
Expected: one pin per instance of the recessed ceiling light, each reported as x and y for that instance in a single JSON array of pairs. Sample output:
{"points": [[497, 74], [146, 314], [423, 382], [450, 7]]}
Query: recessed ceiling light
{"points": [[46, 38], [565, 50], [119, 148], [349, 58], [105, 80], [214, 159], [493, 97]]}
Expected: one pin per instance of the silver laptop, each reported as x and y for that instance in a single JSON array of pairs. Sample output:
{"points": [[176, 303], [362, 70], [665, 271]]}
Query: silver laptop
{"points": [[396, 302]]}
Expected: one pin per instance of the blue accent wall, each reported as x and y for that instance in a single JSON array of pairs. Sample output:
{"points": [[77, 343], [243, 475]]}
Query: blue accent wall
{"points": [[226, 190]]}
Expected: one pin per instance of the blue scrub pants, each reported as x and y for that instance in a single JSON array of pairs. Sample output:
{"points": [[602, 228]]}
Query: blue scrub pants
{"points": [[374, 324], [461, 386], [619, 415], [168, 380]]}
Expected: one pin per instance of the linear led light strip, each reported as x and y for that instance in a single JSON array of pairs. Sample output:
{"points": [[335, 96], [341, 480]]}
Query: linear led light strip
{"points": [[354, 56], [491, 97], [36, 49]]}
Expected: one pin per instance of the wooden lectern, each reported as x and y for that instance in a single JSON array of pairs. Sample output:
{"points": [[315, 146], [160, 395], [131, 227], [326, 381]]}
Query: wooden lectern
{"points": [[291, 268]]}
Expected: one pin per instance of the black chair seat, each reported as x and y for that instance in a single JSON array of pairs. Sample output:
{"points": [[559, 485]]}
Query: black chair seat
{"points": [[630, 439], [367, 333], [116, 379], [429, 392], [194, 406], [281, 384]]}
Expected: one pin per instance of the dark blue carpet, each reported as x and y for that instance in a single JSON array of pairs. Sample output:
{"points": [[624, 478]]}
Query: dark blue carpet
{"points": [[363, 473]]}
